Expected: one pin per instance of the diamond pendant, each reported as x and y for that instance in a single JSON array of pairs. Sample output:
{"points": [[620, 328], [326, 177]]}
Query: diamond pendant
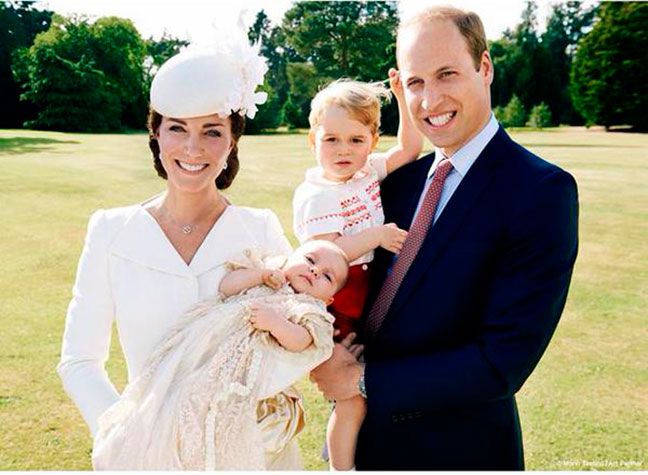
{"points": [[187, 229]]}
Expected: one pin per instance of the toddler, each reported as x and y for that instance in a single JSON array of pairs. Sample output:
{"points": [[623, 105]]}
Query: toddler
{"points": [[340, 201]]}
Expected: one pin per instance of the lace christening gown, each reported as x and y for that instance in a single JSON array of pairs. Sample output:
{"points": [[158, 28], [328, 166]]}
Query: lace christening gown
{"points": [[217, 394]]}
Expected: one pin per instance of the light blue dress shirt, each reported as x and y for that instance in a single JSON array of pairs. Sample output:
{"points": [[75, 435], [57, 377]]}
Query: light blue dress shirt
{"points": [[461, 161]]}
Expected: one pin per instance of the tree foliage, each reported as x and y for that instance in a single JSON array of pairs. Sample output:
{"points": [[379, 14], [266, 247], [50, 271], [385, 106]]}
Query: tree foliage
{"points": [[271, 39], [269, 114], [566, 25], [540, 116], [158, 51], [85, 76], [609, 79], [353, 39], [339, 39], [77, 74], [304, 83], [513, 115], [21, 22], [536, 67]]}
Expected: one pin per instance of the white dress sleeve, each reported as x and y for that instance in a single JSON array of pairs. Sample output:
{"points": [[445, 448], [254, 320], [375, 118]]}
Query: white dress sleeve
{"points": [[318, 213], [88, 327], [378, 163]]}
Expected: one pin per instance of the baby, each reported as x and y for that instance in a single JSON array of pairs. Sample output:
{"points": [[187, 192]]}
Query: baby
{"points": [[217, 393]]}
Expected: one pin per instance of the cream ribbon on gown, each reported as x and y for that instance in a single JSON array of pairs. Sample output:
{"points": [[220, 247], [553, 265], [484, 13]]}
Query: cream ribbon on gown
{"points": [[217, 394]]}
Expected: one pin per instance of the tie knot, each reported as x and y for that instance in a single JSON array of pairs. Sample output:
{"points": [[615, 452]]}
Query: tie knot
{"points": [[443, 168]]}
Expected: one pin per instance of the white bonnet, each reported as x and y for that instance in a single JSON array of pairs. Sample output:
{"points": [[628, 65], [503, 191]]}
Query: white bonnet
{"points": [[219, 79]]}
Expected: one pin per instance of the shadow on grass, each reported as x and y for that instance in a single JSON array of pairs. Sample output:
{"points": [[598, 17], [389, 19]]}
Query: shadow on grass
{"points": [[21, 145]]}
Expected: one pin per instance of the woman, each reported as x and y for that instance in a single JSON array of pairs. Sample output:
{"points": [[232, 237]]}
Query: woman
{"points": [[142, 266]]}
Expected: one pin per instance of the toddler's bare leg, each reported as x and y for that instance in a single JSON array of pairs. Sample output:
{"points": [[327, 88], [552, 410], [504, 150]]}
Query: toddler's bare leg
{"points": [[342, 432]]}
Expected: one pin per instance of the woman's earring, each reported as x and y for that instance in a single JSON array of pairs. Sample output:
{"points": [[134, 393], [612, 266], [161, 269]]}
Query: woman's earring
{"points": [[225, 166]]}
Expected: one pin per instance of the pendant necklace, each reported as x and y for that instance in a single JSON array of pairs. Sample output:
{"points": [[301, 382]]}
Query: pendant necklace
{"points": [[185, 228]]}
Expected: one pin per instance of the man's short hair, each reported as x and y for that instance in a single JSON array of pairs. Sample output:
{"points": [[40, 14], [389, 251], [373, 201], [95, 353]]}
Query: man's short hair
{"points": [[468, 23]]}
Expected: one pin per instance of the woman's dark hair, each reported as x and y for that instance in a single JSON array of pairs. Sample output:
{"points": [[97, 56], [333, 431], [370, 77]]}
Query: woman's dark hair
{"points": [[226, 177]]}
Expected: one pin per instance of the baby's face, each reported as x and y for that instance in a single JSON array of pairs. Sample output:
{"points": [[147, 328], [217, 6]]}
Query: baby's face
{"points": [[317, 269]]}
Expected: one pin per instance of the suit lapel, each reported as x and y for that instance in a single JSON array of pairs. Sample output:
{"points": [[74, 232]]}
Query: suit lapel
{"points": [[404, 203], [462, 201], [400, 193]]}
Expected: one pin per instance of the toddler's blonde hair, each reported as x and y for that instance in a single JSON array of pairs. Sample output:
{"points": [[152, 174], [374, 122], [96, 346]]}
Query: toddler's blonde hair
{"points": [[361, 100]]}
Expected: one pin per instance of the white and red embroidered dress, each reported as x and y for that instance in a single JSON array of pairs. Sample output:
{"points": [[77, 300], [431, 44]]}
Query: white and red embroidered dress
{"points": [[322, 206]]}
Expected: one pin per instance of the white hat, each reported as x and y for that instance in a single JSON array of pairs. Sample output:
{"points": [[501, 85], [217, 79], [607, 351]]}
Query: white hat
{"points": [[210, 80]]}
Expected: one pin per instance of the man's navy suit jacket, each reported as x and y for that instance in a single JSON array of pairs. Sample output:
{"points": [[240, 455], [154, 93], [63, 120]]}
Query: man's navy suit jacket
{"points": [[472, 316]]}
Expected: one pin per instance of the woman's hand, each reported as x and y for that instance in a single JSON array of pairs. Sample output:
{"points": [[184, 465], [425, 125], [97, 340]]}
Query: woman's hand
{"points": [[392, 237], [273, 278], [265, 317]]}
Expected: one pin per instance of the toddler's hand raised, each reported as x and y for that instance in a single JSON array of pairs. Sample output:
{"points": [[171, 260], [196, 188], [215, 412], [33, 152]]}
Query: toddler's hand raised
{"points": [[395, 84], [273, 278], [392, 237]]}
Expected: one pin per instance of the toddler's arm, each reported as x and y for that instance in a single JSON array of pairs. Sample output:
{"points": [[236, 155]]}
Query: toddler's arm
{"points": [[388, 236], [243, 279], [410, 140], [291, 336]]}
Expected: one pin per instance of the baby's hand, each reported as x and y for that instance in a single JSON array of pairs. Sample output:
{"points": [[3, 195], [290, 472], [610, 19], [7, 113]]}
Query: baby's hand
{"points": [[264, 317], [396, 85], [273, 278], [392, 237]]}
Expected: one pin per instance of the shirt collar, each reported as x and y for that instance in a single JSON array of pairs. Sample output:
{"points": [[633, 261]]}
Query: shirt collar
{"points": [[316, 176], [464, 158]]}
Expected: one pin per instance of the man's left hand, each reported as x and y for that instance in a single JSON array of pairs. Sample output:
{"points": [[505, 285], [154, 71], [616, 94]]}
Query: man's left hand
{"points": [[337, 378]]}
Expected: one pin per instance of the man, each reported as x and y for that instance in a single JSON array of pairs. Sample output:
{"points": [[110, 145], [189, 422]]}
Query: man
{"points": [[460, 318]]}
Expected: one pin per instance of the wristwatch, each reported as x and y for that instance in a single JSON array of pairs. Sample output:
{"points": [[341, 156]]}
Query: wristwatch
{"points": [[361, 384]]}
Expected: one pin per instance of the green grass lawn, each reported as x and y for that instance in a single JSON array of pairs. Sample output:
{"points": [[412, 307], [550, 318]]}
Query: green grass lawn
{"points": [[585, 406]]}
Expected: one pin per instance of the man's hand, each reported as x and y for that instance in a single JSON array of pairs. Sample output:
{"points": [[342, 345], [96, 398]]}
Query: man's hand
{"points": [[273, 278], [337, 378]]}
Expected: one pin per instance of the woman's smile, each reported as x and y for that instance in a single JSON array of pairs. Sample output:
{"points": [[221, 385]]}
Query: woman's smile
{"points": [[192, 168]]}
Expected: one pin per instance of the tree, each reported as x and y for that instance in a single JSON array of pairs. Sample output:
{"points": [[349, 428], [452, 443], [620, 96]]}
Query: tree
{"points": [[21, 22], [540, 116], [609, 80], [269, 115], [339, 39], [513, 115], [158, 51], [530, 61], [277, 53], [85, 76], [353, 39], [519, 62], [566, 25], [304, 84], [271, 39], [119, 52]]}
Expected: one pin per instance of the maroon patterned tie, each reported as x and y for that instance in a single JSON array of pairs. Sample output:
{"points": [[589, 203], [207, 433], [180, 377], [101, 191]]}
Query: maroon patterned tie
{"points": [[411, 246]]}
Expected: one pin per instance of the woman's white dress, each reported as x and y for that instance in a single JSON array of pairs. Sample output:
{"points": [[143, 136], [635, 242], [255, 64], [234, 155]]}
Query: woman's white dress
{"points": [[130, 275], [216, 394]]}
